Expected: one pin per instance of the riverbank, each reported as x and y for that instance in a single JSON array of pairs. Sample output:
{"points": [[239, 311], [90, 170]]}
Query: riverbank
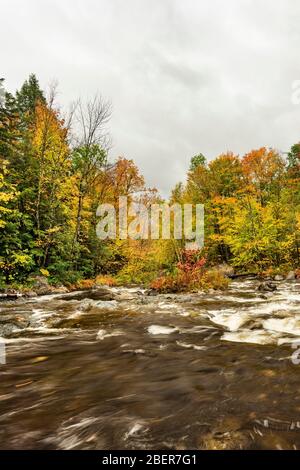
{"points": [[40, 285]]}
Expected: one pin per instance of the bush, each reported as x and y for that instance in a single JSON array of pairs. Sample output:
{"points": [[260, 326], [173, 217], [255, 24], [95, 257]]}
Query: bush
{"points": [[106, 281], [190, 276], [216, 280], [62, 273], [84, 284]]}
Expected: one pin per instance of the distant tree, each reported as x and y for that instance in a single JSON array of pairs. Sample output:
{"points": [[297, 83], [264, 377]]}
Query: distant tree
{"points": [[197, 160], [293, 162], [90, 153], [294, 156], [29, 95]]}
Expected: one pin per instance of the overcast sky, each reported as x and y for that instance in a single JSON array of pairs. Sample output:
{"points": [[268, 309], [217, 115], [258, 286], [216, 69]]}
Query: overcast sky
{"points": [[184, 76]]}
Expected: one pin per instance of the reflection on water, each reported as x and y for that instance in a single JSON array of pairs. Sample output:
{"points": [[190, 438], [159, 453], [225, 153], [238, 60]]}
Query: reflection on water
{"points": [[116, 368]]}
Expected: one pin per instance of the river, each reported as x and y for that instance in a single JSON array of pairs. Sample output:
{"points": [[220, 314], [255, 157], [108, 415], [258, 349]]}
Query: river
{"points": [[115, 368]]}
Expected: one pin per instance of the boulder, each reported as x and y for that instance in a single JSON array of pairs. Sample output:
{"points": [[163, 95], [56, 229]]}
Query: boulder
{"points": [[266, 287], [151, 293], [30, 293], [225, 269], [41, 285], [279, 277], [291, 276]]}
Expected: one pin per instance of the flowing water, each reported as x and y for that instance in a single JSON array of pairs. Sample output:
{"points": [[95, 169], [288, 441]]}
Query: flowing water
{"points": [[119, 369]]}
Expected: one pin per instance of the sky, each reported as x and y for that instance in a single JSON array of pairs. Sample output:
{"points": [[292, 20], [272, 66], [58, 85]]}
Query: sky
{"points": [[183, 76]]}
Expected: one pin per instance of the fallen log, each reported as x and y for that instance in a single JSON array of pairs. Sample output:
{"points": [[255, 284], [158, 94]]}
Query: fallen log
{"points": [[237, 276]]}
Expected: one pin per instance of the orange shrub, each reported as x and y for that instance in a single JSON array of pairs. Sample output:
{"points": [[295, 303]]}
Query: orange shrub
{"points": [[106, 281], [85, 284]]}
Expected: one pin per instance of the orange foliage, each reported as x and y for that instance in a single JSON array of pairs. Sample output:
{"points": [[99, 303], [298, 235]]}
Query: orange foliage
{"points": [[106, 281]]}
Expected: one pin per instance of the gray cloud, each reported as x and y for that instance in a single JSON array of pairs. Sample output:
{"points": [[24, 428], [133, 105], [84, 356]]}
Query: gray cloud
{"points": [[184, 77]]}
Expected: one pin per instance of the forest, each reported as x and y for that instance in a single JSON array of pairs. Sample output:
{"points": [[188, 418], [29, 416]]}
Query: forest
{"points": [[56, 168]]}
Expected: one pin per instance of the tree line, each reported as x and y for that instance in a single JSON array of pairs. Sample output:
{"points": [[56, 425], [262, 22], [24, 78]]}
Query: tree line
{"points": [[55, 170]]}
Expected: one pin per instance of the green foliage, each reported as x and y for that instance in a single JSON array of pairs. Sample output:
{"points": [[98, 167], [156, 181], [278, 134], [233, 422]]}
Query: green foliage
{"points": [[197, 160], [29, 95], [294, 156], [50, 191]]}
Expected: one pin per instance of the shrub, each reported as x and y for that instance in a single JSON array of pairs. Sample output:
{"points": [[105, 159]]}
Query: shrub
{"points": [[190, 275], [215, 280], [106, 281], [84, 284]]}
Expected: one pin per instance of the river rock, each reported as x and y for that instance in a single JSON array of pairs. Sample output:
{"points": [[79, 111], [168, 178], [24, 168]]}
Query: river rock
{"points": [[291, 276], [29, 294], [267, 287], [100, 293], [41, 285], [279, 277], [225, 269], [11, 324], [151, 293]]}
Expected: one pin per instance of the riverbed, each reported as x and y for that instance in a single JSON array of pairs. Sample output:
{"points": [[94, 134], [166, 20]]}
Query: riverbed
{"points": [[116, 368]]}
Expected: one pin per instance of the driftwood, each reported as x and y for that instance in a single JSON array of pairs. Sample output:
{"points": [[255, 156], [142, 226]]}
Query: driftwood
{"points": [[237, 276]]}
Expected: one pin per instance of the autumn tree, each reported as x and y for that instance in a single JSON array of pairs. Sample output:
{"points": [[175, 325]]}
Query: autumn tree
{"points": [[90, 153], [52, 160], [264, 170]]}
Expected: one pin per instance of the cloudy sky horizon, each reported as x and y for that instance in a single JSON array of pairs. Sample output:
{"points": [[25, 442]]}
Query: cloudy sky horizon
{"points": [[183, 76]]}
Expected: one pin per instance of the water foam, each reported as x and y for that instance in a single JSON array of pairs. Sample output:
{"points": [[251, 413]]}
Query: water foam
{"points": [[161, 330]]}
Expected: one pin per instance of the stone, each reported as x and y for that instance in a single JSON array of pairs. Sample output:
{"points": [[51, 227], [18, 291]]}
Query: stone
{"points": [[151, 293], [278, 277], [41, 285], [29, 294], [267, 287], [291, 276], [40, 281]]}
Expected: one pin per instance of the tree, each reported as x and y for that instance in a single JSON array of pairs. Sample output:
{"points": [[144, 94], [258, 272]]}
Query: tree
{"points": [[90, 153], [29, 96], [197, 160], [264, 171], [13, 257], [51, 156], [225, 175], [9, 124], [256, 236], [294, 157]]}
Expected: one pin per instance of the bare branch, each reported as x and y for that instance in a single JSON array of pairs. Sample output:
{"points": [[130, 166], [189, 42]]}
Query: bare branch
{"points": [[92, 119]]}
